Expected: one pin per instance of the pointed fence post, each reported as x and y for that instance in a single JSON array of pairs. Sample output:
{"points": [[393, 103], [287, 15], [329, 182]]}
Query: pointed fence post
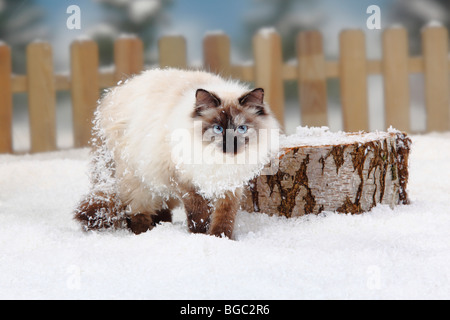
{"points": [[353, 80], [41, 97], [5, 100], [172, 52], [128, 57], [396, 78], [268, 58], [85, 89], [436, 71], [312, 80], [216, 53]]}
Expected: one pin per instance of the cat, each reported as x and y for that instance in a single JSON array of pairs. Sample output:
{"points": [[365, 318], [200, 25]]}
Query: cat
{"points": [[169, 137]]}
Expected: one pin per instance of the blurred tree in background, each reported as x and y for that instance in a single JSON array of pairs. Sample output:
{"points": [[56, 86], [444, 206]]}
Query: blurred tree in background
{"points": [[20, 24], [415, 14], [122, 17], [287, 17], [22, 21]]}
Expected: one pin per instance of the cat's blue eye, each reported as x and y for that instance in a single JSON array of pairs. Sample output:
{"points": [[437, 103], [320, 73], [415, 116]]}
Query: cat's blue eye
{"points": [[242, 129], [217, 129]]}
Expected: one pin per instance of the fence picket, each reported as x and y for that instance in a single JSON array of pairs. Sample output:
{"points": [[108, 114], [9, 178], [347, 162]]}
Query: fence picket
{"points": [[216, 54], [312, 79], [311, 70], [435, 56], [85, 89], [5, 100], [268, 69], [353, 80], [396, 78], [172, 52], [128, 57], [41, 97]]}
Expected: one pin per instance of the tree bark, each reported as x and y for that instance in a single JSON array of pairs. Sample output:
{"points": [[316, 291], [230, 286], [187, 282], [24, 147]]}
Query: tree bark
{"points": [[348, 178]]}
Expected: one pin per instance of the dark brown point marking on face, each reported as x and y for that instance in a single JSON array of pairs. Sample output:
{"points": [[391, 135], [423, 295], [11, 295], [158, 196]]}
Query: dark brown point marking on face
{"points": [[213, 111], [252, 103], [254, 99], [247, 110], [204, 100]]}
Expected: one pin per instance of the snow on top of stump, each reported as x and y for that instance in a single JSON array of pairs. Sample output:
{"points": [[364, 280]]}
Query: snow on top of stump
{"points": [[321, 136]]}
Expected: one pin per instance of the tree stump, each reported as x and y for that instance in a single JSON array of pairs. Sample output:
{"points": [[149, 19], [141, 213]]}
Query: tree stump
{"points": [[323, 171]]}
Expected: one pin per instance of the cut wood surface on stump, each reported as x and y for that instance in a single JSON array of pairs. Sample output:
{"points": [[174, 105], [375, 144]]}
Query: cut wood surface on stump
{"points": [[323, 171]]}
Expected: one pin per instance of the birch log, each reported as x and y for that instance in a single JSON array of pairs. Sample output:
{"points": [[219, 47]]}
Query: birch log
{"points": [[342, 172]]}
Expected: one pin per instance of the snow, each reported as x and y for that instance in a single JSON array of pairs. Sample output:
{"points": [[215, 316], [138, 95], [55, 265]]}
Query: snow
{"points": [[384, 254], [267, 31], [321, 136], [433, 24], [83, 37], [141, 10]]}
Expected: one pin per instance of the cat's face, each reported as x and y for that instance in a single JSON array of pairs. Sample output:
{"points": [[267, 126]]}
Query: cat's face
{"points": [[231, 125]]}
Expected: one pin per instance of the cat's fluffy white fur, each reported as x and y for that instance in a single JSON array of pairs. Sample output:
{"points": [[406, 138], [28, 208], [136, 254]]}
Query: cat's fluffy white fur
{"points": [[139, 123]]}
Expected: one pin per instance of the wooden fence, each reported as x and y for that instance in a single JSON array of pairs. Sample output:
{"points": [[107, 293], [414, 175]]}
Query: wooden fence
{"points": [[311, 71]]}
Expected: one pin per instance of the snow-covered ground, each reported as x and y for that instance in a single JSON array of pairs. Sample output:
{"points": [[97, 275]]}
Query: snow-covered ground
{"points": [[387, 254]]}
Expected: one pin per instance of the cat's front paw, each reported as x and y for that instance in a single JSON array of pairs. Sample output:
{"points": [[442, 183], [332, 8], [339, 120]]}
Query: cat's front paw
{"points": [[140, 222], [221, 233]]}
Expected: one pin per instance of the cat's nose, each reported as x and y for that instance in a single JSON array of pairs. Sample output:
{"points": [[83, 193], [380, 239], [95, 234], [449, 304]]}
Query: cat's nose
{"points": [[230, 144]]}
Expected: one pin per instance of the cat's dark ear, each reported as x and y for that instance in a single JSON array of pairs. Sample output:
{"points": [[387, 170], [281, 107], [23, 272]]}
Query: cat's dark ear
{"points": [[256, 96], [206, 99], [255, 99], [203, 101]]}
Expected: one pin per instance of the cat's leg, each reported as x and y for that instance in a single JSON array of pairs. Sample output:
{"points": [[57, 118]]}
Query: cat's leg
{"points": [[99, 210], [141, 205], [143, 216], [139, 222], [144, 219], [198, 211], [165, 213], [222, 220]]}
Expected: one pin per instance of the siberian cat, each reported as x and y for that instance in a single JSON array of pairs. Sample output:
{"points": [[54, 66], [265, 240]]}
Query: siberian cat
{"points": [[168, 137]]}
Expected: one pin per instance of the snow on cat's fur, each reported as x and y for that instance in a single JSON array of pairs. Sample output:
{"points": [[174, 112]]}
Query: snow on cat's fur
{"points": [[157, 142]]}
